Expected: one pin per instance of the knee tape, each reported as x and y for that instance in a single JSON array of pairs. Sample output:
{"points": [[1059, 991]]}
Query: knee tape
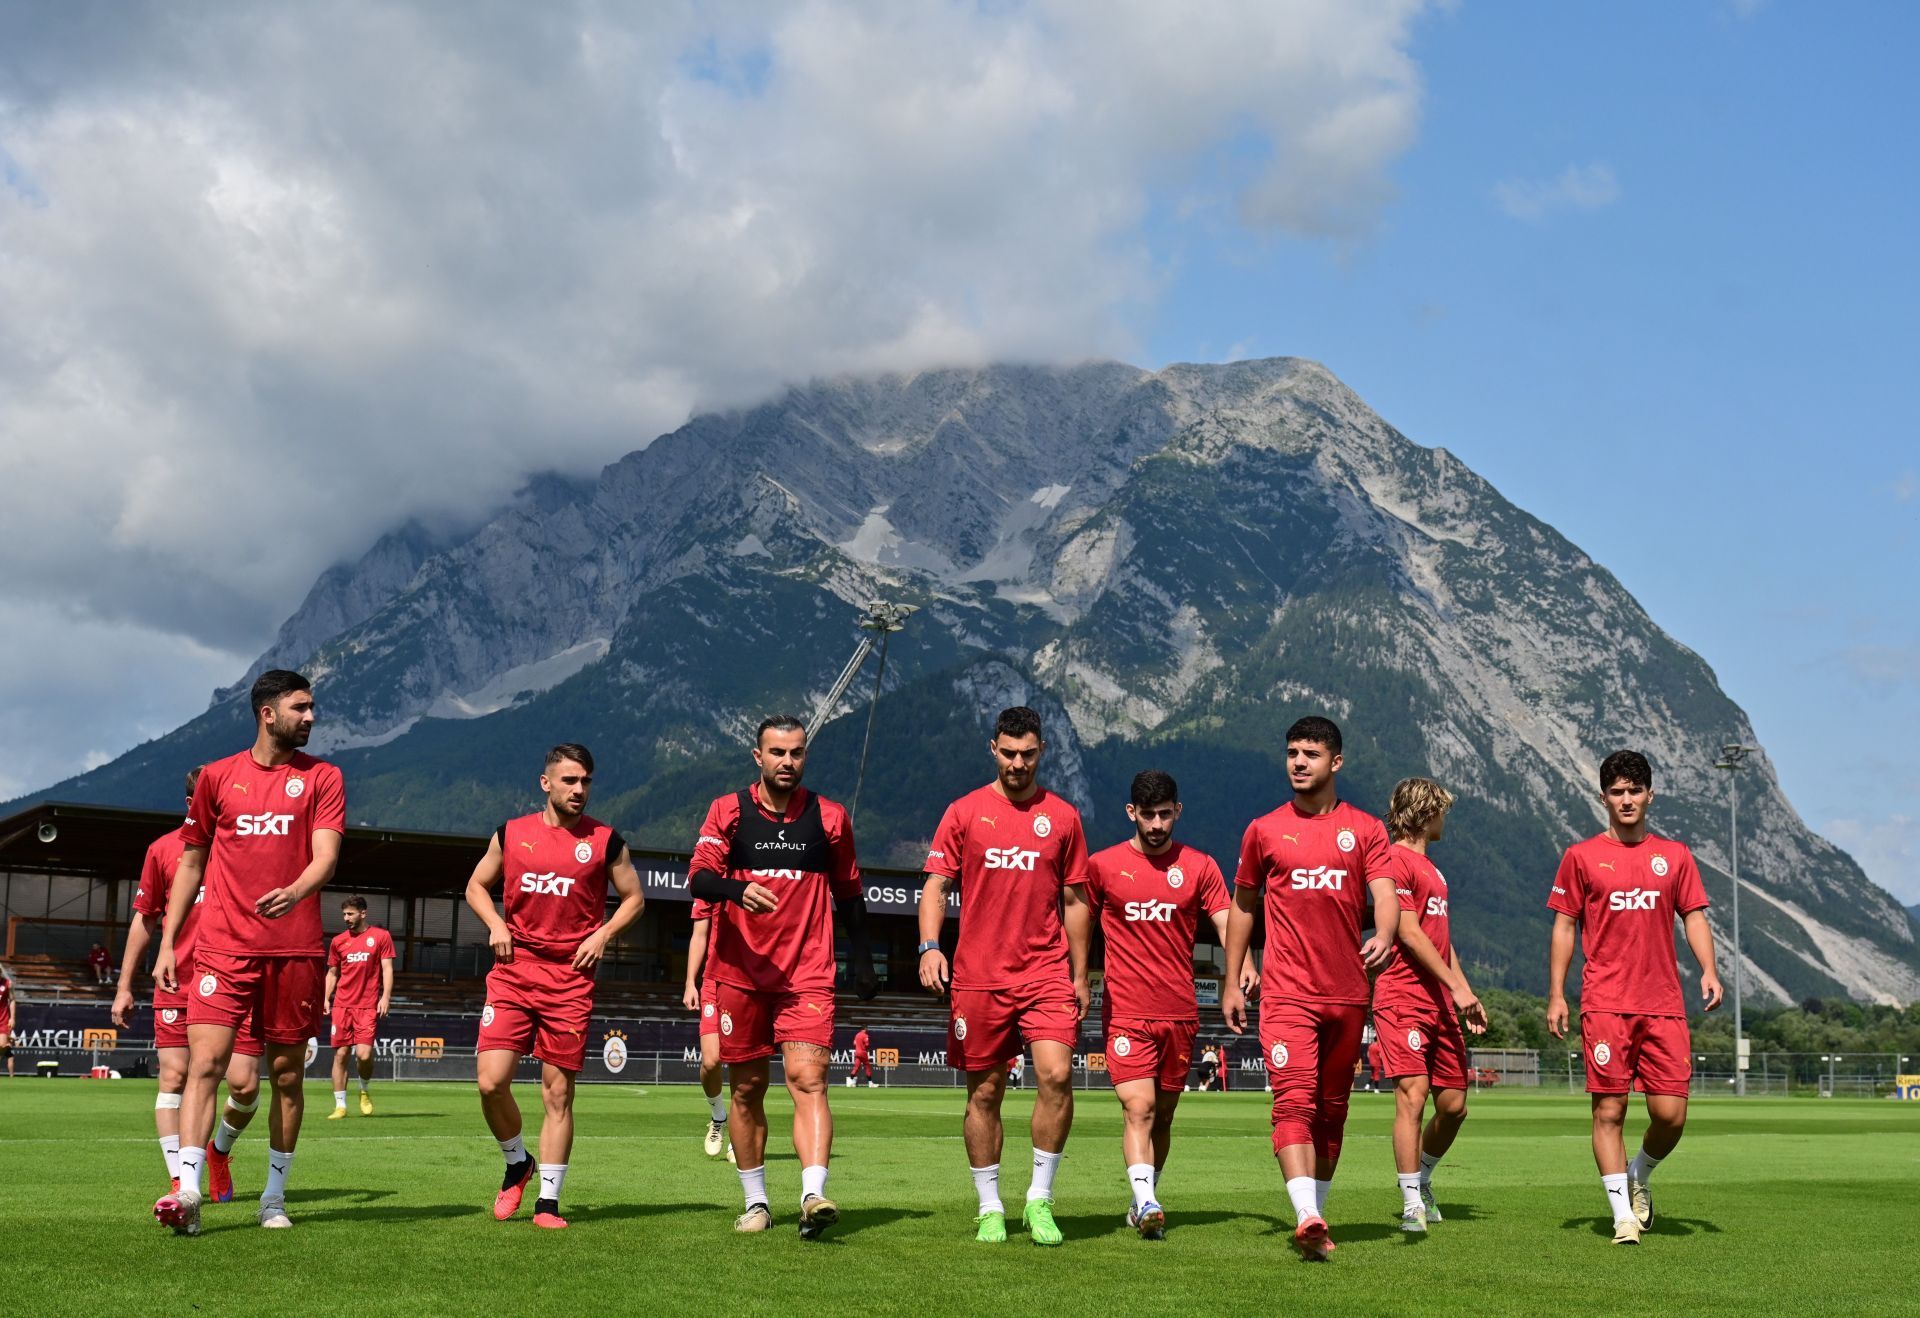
{"points": [[235, 1105], [166, 1102]]}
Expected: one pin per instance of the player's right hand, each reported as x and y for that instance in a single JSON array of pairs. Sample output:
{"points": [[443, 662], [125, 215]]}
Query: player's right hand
{"points": [[1557, 1016], [163, 972], [933, 971], [1472, 1011], [759, 900], [501, 942], [122, 1005], [690, 997], [1233, 1006]]}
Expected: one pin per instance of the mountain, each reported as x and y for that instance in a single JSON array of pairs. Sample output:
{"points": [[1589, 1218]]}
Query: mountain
{"points": [[1171, 565]]}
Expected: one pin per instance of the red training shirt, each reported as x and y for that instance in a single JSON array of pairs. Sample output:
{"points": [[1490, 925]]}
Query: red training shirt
{"points": [[1422, 889], [359, 957], [1626, 899], [257, 824], [1150, 909], [555, 882], [789, 950], [150, 898], [1012, 858], [1315, 869]]}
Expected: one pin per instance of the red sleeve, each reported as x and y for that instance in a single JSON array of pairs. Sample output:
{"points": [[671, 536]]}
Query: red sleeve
{"points": [[202, 811], [1405, 879], [333, 951], [1213, 889], [1376, 853], [329, 800], [386, 946], [1689, 894], [944, 857], [1073, 856], [150, 898], [716, 835], [702, 909], [1569, 887], [1248, 874], [844, 880]]}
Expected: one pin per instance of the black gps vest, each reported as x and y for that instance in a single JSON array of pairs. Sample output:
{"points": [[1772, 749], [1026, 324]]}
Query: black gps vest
{"points": [[764, 844]]}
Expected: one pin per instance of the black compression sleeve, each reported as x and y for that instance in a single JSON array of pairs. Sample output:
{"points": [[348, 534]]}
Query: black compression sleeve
{"points": [[709, 886]]}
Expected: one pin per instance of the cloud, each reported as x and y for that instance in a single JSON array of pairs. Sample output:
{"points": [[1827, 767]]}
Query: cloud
{"points": [[1887, 849], [276, 279], [1578, 187], [1882, 665]]}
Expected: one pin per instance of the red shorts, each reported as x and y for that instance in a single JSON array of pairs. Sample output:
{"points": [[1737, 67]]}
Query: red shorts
{"points": [[539, 1007], [1653, 1054], [1142, 1049], [709, 1011], [1310, 1050], [1418, 1039], [755, 1022], [353, 1026], [170, 1026], [282, 994], [988, 1026]]}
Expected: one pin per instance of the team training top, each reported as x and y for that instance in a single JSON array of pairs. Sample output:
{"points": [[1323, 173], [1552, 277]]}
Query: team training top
{"points": [[150, 898], [555, 882], [257, 824], [1422, 889], [1012, 858], [1625, 898], [6, 1000], [703, 910], [1315, 869], [359, 957], [788, 950], [1149, 909]]}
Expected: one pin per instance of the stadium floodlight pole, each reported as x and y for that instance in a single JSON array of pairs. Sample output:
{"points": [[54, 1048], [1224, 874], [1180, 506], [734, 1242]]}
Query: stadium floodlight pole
{"points": [[883, 619], [1731, 756]]}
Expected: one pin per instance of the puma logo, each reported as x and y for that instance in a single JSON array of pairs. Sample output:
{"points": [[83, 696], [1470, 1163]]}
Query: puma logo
{"points": [[816, 1008], [989, 821], [1607, 865], [527, 845], [1291, 837], [240, 787], [1126, 874]]}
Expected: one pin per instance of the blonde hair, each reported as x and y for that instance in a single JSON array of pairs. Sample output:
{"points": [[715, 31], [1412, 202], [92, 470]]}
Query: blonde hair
{"points": [[1415, 802]]}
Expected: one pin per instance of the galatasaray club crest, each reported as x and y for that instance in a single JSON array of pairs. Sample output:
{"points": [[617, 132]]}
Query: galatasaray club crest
{"points": [[1175, 876], [707, 1010], [584, 852], [313, 1051], [960, 1028], [486, 1015], [369, 940], [1344, 839], [1659, 864], [1042, 826], [1122, 1046], [207, 985], [170, 1015], [1279, 1056], [726, 1023], [613, 1052], [295, 786], [1414, 1041], [1602, 1054]]}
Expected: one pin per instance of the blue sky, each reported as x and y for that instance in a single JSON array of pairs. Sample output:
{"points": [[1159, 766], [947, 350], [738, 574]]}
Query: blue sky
{"points": [[1701, 374]]}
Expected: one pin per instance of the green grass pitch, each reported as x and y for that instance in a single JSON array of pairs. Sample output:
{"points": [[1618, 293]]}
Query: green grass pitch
{"points": [[1769, 1205]]}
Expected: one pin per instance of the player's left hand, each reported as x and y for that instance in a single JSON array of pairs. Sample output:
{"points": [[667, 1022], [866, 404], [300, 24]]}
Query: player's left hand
{"points": [[1082, 999], [1472, 1012], [1233, 1008], [1710, 989], [1377, 953], [588, 954], [380, 1011], [122, 1005], [1249, 978], [276, 903]]}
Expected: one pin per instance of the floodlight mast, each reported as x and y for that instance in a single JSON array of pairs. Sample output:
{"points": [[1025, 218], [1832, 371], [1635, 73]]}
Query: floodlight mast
{"points": [[1731, 756], [880, 621]]}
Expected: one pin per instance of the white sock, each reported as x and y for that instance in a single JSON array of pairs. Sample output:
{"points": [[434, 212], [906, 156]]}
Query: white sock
{"points": [[986, 1184], [1140, 1177], [513, 1150], [170, 1150], [1409, 1191], [753, 1184], [553, 1175], [718, 1106], [339, 1098], [1427, 1163], [1044, 1166], [1641, 1168], [1300, 1190], [278, 1165], [224, 1137], [1320, 1189], [813, 1181], [192, 1159], [1616, 1188]]}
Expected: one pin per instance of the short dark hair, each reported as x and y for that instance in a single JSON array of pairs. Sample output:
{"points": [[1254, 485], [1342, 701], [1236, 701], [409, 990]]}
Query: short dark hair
{"points": [[358, 903], [1313, 728], [270, 686], [1153, 787], [193, 778], [1019, 721], [1631, 765], [571, 750], [777, 723]]}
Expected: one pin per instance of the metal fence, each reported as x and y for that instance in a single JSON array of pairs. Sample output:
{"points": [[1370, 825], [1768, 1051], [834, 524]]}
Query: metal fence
{"points": [[1780, 1074]]}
